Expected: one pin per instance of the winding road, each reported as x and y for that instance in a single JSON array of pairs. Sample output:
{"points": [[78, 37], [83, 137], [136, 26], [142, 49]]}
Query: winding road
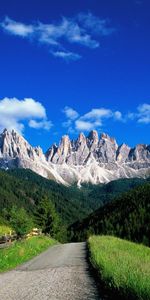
{"points": [[61, 272]]}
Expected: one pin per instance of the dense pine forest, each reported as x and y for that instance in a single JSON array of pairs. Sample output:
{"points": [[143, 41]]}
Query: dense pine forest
{"points": [[54, 207], [127, 216]]}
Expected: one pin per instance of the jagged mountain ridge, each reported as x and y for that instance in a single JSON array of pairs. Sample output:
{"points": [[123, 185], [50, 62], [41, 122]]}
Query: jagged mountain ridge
{"points": [[87, 159]]}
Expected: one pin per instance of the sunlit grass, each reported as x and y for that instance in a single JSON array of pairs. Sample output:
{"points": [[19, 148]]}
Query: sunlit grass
{"points": [[4, 229], [123, 266], [21, 251]]}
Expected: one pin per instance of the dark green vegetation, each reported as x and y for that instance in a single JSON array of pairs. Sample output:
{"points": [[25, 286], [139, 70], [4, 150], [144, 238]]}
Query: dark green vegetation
{"points": [[20, 221], [25, 188], [123, 267], [49, 205], [128, 216], [21, 251]]}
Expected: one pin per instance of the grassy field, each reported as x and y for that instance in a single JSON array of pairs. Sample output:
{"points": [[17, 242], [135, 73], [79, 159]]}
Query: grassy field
{"points": [[4, 229], [22, 251], [123, 267]]}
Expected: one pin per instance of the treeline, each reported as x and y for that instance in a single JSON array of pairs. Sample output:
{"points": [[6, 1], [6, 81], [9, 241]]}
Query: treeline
{"points": [[71, 203], [23, 188], [49, 205], [128, 216]]}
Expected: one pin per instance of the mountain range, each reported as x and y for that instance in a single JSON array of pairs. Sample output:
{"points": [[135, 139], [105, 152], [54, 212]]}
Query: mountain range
{"points": [[86, 159]]}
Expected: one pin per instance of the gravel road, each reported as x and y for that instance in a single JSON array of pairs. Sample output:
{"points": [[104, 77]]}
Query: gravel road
{"points": [[61, 273]]}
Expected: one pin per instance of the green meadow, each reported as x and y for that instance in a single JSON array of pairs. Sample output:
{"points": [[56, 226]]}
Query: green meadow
{"points": [[21, 251], [123, 267]]}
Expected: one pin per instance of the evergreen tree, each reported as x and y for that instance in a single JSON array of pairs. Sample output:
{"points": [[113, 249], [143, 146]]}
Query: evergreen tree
{"points": [[20, 221], [47, 218]]}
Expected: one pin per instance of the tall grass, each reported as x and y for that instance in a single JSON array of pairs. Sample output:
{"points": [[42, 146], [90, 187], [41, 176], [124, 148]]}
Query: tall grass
{"points": [[21, 251], [123, 266], [4, 229]]}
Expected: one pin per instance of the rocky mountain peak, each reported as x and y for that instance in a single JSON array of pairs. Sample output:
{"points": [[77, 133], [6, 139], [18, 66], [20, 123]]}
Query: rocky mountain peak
{"points": [[86, 159], [59, 154], [65, 144], [93, 136], [123, 153], [65, 140], [106, 137], [13, 144], [140, 153], [81, 138], [39, 152]]}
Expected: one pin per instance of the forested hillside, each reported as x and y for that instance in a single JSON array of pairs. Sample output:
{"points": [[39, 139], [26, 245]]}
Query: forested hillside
{"points": [[128, 216], [71, 202], [24, 188]]}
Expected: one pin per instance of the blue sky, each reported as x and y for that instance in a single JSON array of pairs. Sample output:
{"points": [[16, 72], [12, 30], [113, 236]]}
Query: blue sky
{"points": [[69, 66]]}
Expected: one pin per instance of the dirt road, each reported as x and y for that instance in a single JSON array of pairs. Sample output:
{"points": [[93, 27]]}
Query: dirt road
{"points": [[61, 272]]}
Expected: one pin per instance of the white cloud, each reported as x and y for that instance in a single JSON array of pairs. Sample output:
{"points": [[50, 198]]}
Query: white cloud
{"points": [[83, 29], [76, 34], [40, 124], [83, 125], [95, 118], [13, 113], [97, 114], [70, 113], [141, 115], [95, 24], [66, 55], [17, 28], [118, 115], [91, 120], [144, 113], [130, 116]]}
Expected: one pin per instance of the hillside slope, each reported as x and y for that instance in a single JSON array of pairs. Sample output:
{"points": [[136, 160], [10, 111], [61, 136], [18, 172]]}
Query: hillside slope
{"points": [[25, 188], [127, 217], [72, 202]]}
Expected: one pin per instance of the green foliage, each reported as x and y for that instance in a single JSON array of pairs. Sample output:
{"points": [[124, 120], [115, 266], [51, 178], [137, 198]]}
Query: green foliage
{"points": [[24, 188], [127, 217], [123, 267], [20, 221], [45, 215], [21, 251], [48, 220], [71, 203], [5, 229]]}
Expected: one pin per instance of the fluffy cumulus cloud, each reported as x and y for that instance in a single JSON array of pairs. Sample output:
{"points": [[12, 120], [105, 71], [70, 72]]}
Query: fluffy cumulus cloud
{"points": [[91, 120], [97, 117], [14, 112], [84, 29]]}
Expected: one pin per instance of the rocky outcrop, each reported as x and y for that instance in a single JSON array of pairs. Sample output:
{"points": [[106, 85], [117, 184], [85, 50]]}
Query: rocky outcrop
{"points": [[122, 154], [86, 159]]}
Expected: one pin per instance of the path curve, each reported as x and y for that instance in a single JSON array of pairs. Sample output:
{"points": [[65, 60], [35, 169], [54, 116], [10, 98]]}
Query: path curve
{"points": [[61, 272]]}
